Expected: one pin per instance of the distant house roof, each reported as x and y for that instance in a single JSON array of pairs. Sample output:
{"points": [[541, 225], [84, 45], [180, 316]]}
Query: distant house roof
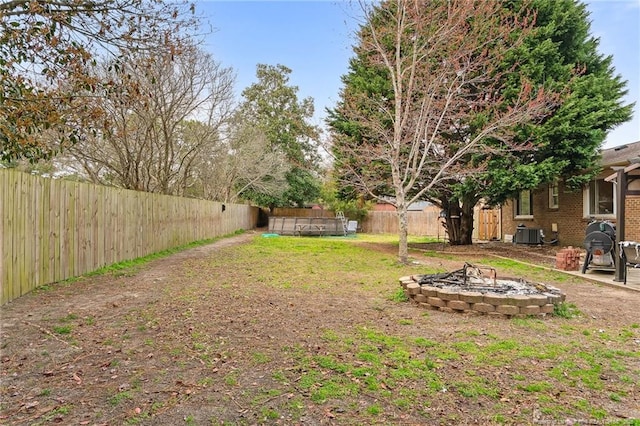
{"points": [[620, 155], [418, 206]]}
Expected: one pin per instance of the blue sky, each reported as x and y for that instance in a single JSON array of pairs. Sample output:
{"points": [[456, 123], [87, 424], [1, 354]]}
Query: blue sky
{"points": [[314, 39]]}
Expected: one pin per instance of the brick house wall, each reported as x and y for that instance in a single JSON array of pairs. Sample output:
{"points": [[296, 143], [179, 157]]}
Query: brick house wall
{"points": [[568, 216], [632, 218]]}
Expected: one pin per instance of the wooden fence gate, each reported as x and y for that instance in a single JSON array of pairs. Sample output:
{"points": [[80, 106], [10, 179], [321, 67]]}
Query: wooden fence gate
{"points": [[488, 221]]}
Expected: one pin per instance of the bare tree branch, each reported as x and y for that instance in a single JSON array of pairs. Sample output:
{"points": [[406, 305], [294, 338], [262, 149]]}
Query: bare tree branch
{"points": [[443, 64]]}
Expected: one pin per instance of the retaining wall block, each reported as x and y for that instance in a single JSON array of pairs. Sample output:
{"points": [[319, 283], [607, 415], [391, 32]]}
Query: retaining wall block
{"points": [[406, 283], [483, 307], [547, 309], [537, 299], [530, 310], [494, 299], [472, 297], [458, 305], [507, 309], [436, 301], [448, 294], [553, 298], [519, 300], [429, 291], [420, 298], [413, 288]]}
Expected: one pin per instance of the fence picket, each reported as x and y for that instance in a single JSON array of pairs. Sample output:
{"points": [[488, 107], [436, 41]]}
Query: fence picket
{"points": [[53, 229]]}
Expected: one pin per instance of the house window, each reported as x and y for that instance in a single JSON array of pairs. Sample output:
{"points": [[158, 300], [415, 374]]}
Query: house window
{"points": [[524, 205], [600, 198], [553, 195]]}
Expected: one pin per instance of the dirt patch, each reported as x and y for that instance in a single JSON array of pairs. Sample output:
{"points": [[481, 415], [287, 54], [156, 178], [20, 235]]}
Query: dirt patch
{"points": [[181, 343], [543, 255]]}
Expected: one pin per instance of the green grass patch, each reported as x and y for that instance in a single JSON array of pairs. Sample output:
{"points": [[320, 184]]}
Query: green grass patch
{"points": [[70, 317], [231, 379], [345, 265], [120, 397], [475, 386], [63, 329], [329, 362], [566, 310], [399, 296], [269, 414], [129, 267], [260, 358], [374, 410], [537, 387], [532, 323]]}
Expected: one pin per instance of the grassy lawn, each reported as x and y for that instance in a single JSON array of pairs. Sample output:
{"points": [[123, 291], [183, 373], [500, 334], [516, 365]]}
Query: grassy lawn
{"points": [[555, 369], [291, 330]]}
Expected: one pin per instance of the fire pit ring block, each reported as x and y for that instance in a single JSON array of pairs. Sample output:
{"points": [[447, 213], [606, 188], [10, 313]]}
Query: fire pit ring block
{"points": [[467, 291]]}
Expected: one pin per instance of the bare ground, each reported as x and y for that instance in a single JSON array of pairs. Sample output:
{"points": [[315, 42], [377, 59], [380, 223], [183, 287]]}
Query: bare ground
{"points": [[135, 350]]}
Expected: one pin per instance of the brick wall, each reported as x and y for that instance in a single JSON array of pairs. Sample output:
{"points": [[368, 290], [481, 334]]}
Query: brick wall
{"points": [[568, 216], [632, 218]]}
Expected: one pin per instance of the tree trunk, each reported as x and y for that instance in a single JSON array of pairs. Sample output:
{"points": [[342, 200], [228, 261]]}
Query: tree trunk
{"points": [[452, 220], [403, 231], [459, 220], [466, 223], [401, 211]]}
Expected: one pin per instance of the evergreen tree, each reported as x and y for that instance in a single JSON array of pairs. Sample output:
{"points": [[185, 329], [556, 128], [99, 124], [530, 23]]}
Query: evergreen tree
{"points": [[272, 105], [559, 54], [425, 91]]}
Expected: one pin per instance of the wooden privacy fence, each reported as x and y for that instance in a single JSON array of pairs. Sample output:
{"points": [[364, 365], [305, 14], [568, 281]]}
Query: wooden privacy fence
{"points": [[294, 212], [425, 223], [421, 223], [53, 229]]}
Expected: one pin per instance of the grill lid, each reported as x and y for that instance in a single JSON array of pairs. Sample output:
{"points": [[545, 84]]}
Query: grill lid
{"points": [[598, 240], [606, 227]]}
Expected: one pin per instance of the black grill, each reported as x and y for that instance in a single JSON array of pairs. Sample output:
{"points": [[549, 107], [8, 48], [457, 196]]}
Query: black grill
{"points": [[599, 243]]}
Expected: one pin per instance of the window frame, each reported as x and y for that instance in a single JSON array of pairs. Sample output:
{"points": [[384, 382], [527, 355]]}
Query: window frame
{"points": [[587, 200], [517, 205], [554, 196]]}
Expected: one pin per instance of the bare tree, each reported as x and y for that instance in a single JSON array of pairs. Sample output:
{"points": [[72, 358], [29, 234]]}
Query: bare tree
{"points": [[246, 162], [149, 139], [47, 50], [434, 70]]}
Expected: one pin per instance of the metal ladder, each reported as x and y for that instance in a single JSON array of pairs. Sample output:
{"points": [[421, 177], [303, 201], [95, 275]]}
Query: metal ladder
{"points": [[340, 215]]}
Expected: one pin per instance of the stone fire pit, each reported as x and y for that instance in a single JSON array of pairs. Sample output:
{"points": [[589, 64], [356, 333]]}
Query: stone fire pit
{"points": [[478, 290]]}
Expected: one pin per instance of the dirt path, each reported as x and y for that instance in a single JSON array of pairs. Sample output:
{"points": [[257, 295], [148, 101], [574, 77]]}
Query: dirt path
{"points": [[172, 345]]}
